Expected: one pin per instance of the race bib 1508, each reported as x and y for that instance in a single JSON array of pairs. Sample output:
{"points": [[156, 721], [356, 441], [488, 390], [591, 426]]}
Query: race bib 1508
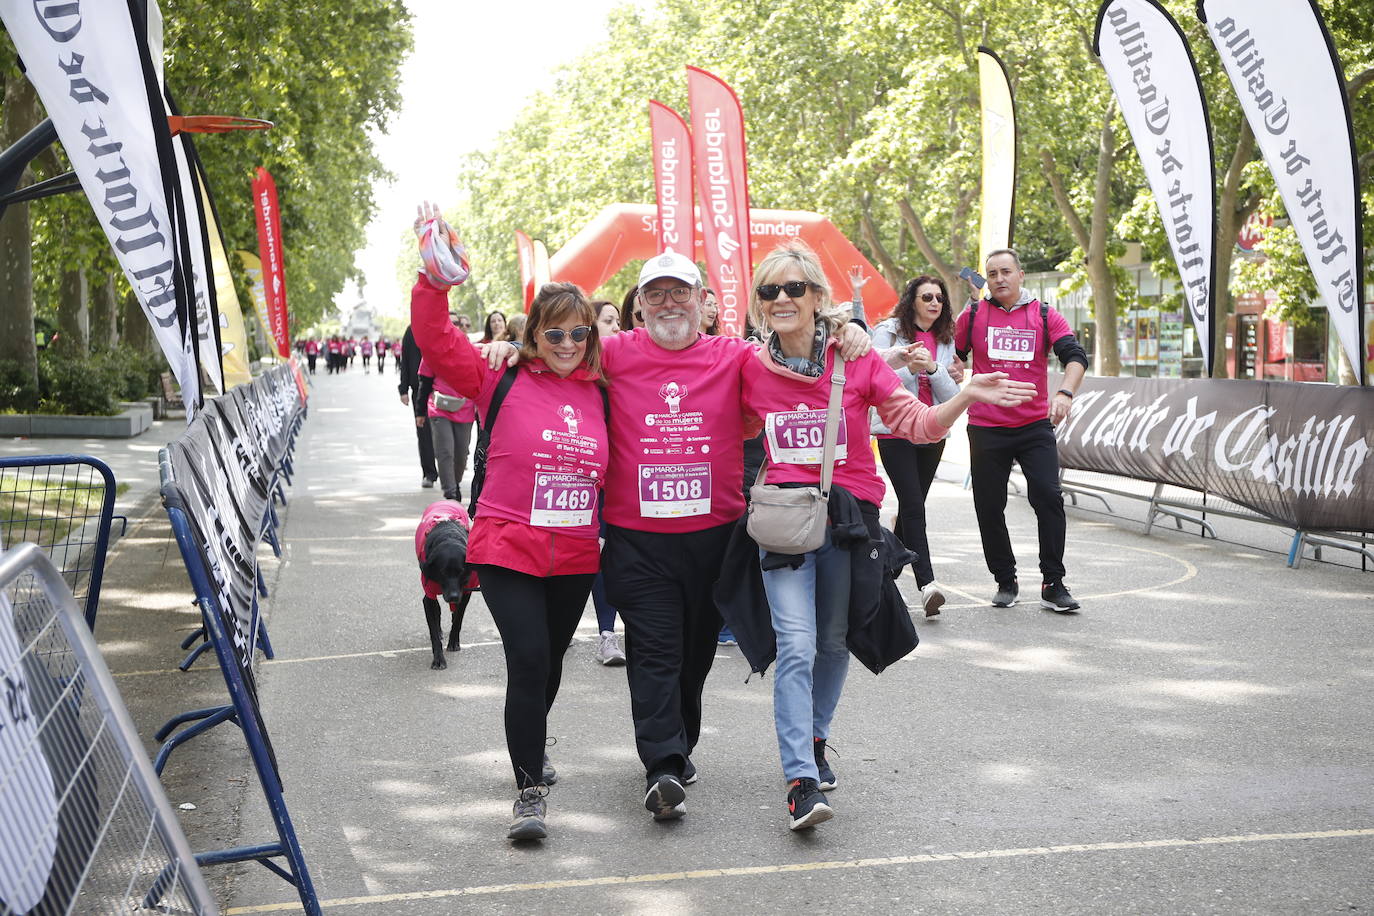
{"points": [[674, 490]]}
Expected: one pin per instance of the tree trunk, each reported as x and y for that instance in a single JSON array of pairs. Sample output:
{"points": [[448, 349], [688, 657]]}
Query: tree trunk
{"points": [[135, 330], [1229, 218], [21, 114], [73, 317], [104, 310], [869, 232], [948, 272], [1107, 348], [1092, 239]]}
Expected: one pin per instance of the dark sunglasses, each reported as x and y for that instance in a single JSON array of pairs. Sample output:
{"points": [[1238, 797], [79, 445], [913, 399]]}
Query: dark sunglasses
{"points": [[933, 297], [769, 291], [578, 334]]}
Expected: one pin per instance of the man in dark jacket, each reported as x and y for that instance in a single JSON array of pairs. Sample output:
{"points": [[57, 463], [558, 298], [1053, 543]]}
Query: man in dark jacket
{"points": [[408, 362]]}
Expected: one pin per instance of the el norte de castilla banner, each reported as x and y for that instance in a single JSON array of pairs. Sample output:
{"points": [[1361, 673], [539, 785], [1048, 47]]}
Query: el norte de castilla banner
{"points": [[1283, 65], [1152, 71], [1295, 453], [93, 71]]}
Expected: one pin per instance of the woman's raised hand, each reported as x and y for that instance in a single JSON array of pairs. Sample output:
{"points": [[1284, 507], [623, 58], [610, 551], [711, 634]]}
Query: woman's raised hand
{"points": [[425, 213], [999, 389]]}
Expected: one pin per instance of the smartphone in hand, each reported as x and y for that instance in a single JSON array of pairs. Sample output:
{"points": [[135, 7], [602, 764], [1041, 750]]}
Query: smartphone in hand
{"points": [[968, 273]]}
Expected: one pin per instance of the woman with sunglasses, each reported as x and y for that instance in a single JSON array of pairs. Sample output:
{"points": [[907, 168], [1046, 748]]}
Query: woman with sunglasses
{"points": [[917, 340], [809, 596], [534, 540]]}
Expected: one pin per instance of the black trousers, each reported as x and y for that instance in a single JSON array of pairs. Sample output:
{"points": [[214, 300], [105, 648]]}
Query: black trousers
{"points": [[661, 585], [426, 444], [991, 452], [911, 468], [537, 617]]}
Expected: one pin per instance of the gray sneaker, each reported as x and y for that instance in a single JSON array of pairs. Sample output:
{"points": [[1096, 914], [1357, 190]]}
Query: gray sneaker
{"points": [[608, 650], [527, 817]]}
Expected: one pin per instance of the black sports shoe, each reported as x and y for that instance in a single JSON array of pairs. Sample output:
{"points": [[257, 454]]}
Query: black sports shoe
{"points": [[827, 775], [666, 799], [689, 773], [806, 806], [550, 775], [527, 817], [1006, 594], [1055, 597]]}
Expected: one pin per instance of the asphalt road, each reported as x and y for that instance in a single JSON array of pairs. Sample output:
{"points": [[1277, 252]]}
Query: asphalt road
{"points": [[1196, 740]]}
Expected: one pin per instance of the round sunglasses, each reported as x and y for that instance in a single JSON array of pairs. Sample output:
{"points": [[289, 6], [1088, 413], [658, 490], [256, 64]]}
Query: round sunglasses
{"points": [[578, 334]]}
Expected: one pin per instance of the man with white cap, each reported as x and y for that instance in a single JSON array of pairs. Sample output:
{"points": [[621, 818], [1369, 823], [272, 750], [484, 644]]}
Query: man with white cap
{"points": [[673, 495]]}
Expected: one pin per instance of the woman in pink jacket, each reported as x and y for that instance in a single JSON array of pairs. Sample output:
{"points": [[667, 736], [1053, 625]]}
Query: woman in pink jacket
{"points": [[788, 386], [534, 540]]}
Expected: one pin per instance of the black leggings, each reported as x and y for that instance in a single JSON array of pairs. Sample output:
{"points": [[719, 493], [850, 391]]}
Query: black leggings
{"points": [[911, 468], [537, 617]]}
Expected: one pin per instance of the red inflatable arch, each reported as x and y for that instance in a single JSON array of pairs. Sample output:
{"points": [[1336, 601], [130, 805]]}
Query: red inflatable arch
{"points": [[626, 232]]}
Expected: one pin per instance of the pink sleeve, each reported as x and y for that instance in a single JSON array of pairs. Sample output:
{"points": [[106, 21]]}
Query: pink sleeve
{"points": [[961, 329], [445, 349], [909, 418]]}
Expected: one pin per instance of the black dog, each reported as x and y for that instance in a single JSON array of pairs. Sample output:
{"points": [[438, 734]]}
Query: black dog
{"points": [[442, 548]]}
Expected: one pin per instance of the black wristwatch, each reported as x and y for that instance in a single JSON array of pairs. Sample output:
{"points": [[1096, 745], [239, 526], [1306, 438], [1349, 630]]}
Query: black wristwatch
{"points": [[1066, 393]]}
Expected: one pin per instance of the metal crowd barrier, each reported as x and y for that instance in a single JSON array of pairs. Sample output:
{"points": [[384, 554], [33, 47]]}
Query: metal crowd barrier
{"points": [[85, 826], [220, 480], [65, 505]]}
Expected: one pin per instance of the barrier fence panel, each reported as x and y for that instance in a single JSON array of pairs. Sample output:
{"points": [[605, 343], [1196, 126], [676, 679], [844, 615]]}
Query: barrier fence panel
{"points": [[1285, 453], [219, 478], [65, 505], [85, 827]]}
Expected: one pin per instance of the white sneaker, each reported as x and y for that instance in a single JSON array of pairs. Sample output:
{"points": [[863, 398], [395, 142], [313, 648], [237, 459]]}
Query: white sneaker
{"points": [[932, 598], [608, 650]]}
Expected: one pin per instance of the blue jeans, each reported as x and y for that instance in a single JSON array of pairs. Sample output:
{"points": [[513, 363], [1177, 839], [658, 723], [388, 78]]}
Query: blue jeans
{"points": [[810, 609]]}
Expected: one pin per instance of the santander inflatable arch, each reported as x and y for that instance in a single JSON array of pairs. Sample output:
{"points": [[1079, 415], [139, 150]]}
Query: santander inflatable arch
{"points": [[621, 233]]}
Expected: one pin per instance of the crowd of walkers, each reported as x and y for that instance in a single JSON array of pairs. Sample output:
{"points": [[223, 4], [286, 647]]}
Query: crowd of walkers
{"points": [[342, 352], [642, 428]]}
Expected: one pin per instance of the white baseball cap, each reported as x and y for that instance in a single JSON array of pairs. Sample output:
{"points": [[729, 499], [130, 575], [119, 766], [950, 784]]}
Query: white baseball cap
{"points": [[670, 264]]}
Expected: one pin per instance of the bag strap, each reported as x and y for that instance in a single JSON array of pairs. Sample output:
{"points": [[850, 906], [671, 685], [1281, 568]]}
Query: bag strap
{"points": [[834, 410], [833, 413], [502, 389]]}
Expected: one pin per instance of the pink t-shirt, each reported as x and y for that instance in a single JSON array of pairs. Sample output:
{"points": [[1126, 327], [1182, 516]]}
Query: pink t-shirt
{"points": [[465, 414], [1011, 342], [677, 457], [792, 407], [548, 451], [924, 394]]}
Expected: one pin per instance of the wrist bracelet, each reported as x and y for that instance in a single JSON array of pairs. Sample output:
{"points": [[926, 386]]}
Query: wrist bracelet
{"points": [[1066, 393]]}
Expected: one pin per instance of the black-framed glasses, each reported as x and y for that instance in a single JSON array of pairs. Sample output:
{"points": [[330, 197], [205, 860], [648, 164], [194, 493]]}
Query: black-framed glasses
{"points": [[933, 297], [795, 290], [656, 296], [578, 334]]}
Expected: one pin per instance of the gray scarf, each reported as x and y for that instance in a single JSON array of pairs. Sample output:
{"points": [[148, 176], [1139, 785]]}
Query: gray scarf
{"points": [[813, 367]]}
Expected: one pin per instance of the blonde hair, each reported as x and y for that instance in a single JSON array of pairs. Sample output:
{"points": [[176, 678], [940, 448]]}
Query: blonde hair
{"points": [[799, 254]]}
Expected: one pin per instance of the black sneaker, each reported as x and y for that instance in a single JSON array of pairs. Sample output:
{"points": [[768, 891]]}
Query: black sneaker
{"points": [[527, 817], [666, 799], [1006, 594], [806, 806], [689, 773], [1055, 597], [827, 775], [550, 775]]}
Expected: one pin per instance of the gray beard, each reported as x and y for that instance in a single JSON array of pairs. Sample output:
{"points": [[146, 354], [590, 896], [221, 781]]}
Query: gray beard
{"points": [[672, 338]]}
